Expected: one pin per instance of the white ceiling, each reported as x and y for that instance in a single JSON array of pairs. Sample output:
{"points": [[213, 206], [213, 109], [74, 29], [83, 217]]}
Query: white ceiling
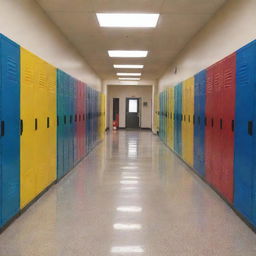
{"points": [[179, 21]]}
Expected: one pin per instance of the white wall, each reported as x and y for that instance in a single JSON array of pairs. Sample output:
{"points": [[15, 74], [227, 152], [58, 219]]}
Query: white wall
{"points": [[24, 22], [123, 92], [232, 27]]}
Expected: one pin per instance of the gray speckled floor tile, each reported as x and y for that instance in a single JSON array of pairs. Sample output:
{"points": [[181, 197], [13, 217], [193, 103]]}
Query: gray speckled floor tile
{"points": [[130, 196]]}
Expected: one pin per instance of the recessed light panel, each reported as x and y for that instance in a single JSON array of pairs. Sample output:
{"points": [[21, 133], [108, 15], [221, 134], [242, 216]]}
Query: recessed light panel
{"points": [[129, 78], [128, 20], [129, 82], [128, 66], [127, 54], [128, 74]]}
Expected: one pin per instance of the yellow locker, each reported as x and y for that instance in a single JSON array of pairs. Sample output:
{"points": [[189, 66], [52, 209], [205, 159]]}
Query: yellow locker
{"points": [[41, 138], [27, 139], [190, 129], [171, 100]]}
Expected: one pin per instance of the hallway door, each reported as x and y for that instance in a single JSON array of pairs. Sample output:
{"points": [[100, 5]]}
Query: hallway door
{"points": [[132, 113]]}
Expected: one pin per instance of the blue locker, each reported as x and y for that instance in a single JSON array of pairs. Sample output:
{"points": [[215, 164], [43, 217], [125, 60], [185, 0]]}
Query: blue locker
{"points": [[10, 129], [65, 121], [71, 122], [178, 117], [244, 163], [60, 125], [199, 128]]}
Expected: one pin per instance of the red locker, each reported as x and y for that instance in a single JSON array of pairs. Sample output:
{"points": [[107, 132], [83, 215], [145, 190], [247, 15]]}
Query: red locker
{"points": [[229, 84], [217, 125], [209, 105]]}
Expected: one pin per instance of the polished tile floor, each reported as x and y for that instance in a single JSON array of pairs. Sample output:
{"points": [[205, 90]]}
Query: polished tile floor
{"points": [[130, 196]]}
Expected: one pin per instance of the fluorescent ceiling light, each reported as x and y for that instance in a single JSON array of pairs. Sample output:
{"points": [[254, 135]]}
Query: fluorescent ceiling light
{"points": [[132, 20], [128, 66], [124, 226], [127, 249], [129, 78], [127, 54], [128, 74], [129, 82]]}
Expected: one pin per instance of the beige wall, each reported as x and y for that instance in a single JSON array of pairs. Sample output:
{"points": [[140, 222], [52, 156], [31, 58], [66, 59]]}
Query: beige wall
{"points": [[123, 92], [24, 22], [233, 26]]}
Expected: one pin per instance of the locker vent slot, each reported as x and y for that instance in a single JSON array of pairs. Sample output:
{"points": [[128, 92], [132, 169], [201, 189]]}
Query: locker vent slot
{"points": [[12, 69]]}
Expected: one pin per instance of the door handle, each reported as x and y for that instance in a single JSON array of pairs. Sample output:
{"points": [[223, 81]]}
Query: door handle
{"points": [[233, 125], [2, 128], [250, 127], [21, 127]]}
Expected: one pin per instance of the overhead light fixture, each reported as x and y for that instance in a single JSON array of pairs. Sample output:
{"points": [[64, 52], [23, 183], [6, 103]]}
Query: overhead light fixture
{"points": [[129, 78], [129, 82], [128, 74], [127, 54], [128, 20], [128, 66]]}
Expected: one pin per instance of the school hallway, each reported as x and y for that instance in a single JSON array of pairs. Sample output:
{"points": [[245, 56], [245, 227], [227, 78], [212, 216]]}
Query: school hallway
{"points": [[130, 196]]}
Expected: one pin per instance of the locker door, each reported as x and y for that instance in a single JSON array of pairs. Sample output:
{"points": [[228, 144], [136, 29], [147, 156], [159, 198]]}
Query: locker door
{"points": [[209, 123], [184, 121], [83, 121], [75, 123], [244, 165], [229, 80], [217, 152], [171, 115], [199, 133], [71, 123], [179, 118], [41, 139], [10, 129], [51, 123], [176, 118], [27, 139], [60, 136], [190, 123], [197, 123], [65, 121]]}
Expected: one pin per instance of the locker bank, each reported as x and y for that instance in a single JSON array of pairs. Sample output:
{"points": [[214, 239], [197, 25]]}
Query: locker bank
{"points": [[127, 127]]}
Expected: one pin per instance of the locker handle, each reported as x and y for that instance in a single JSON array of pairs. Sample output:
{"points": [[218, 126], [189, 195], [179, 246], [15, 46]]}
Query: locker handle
{"points": [[193, 119], [36, 124], [65, 119], [250, 127], [2, 128], [58, 120], [75, 118], [212, 122], [233, 125], [184, 118], [48, 122], [221, 123], [21, 126], [189, 118]]}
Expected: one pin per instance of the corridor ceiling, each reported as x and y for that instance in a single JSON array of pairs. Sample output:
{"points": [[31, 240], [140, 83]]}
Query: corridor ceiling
{"points": [[179, 21]]}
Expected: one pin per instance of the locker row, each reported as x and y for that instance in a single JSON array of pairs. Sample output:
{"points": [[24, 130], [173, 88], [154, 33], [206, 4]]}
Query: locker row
{"points": [[48, 122], [209, 121]]}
